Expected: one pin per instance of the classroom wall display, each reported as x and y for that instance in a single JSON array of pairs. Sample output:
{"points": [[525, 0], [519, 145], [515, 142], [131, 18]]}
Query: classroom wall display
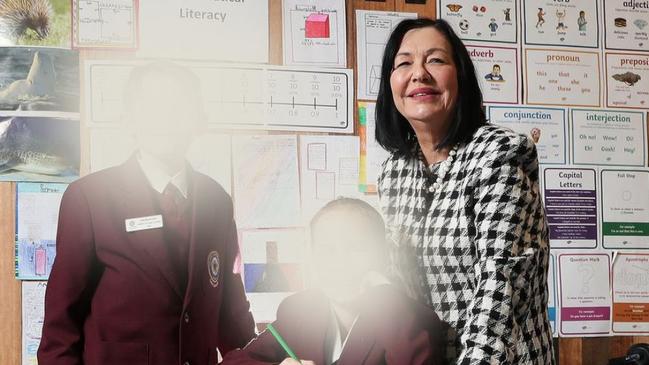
{"points": [[372, 154], [627, 80], [35, 23], [485, 21], [630, 295], [552, 294], [33, 311], [625, 25], [106, 24], [497, 70], [561, 23]]}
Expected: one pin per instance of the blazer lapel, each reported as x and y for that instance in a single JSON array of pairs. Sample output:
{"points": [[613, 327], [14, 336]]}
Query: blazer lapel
{"points": [[140, 202], [361, 340]]}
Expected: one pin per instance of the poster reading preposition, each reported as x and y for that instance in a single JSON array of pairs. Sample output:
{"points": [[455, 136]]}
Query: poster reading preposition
{"points": [[625, 209], [631, 293], [584, 281], [627, 80], [571, 207], [562, 78], [608, 137], [561, 23], [625, 25], [497, 69], [487, 21], [547, 127]]}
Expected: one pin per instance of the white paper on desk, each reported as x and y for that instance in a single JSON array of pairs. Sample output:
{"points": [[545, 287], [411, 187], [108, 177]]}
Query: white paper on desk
{"points": [[630, 294], [625, 208], [37, 214], [104, 24], [608, 137], [373, 29], [561, 23], [33, 311], [209, 153], [316, 41], [266, 181], [584, 283], [340, 176], [204, 30]]}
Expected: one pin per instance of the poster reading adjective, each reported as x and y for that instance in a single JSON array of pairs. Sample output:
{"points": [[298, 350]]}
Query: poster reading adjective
{"points": [[625, 209], [554, 77], [627, 80], [497, 69], [561, 23], [486, 21], [631, 293], [625, 24]]}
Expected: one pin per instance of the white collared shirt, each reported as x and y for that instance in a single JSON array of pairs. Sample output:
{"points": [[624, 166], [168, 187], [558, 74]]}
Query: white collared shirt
{"points": [[334, 343], [155, 172]]}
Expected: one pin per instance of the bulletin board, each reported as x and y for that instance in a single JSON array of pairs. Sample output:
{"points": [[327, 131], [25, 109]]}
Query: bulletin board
{"points": [[496, 32]]}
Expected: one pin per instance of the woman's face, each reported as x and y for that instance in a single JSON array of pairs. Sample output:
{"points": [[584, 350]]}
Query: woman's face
{"points": [[424, 77]]}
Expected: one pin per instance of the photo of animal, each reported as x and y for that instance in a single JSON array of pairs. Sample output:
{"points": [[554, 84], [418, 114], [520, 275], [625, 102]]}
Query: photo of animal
{"points": [[629, 78], [35, 23]]}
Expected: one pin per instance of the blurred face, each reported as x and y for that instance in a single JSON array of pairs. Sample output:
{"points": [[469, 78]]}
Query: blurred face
{"points": [[496, 70], [165, 116], [345, 247], [424, 78]]}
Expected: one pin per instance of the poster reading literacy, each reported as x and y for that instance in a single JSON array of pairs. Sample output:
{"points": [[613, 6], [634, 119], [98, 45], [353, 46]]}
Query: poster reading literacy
{"points": [[625, 24], [546, 127], [562, 78], [631, 293], [571, 207], [497, 69], [608, 137], [625, 209], [488, 21], [627, 80], [584, 283], [561, 23]]}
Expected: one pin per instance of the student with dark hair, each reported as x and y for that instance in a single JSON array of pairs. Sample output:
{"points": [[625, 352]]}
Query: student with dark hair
{"points": [[352, 315], [465, 195]]}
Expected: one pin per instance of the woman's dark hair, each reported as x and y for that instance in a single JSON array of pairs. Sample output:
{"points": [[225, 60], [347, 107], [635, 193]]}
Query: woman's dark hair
{"points": [[393, 131]]}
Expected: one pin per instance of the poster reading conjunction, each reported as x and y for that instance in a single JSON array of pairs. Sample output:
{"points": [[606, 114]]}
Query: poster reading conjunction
{"points": [[584, 281], [497, 69], [625, 24], [561, 23], [489, 21], [627, 80], [571, 207], [625, 209], [608, 137], [631, 293], [562, 78], [547, 127]]}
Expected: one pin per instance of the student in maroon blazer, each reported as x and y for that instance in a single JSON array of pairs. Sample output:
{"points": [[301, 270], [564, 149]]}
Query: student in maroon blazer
{"points": [[145, 251], [354, 317]]}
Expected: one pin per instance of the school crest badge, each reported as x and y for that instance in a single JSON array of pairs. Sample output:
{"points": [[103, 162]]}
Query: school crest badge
{"points": [[213, 267]]}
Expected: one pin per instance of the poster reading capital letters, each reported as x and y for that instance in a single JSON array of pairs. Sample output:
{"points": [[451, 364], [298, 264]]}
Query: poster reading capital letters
{"points": [[630, 293], [497, 69], [627, 80], [584, 283], [547, 127], [608, 137], [487, 21], [554, 77], [626, 25], [625, 209], [571, 207], [561, 23]]}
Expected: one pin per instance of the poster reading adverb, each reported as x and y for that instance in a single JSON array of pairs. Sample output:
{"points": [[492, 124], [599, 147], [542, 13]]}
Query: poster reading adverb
{"points": [[608, 137], [627, 80], [561, 23], [584, 283], [571, 207], [488, 21], [625, 25], [497, 69], [630, 295], [554, 77], [625, 209], [547, 127]]}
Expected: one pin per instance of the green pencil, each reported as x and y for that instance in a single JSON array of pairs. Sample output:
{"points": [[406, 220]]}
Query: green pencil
{"points": [[282, 342]]}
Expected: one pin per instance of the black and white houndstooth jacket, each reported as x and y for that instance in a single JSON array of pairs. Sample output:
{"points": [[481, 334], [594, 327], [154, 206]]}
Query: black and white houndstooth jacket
{"points": [[483, 242]]}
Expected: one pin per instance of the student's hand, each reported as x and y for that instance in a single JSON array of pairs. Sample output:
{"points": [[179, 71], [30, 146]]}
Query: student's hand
{"points": [[289, 361]]}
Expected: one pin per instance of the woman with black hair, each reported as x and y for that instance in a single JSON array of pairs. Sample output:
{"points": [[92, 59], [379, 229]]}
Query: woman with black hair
{"points": [[465, 195]]}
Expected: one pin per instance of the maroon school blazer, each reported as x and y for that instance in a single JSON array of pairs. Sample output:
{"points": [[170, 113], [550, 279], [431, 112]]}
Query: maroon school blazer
{"points": [[391, 329], [112, 297]]}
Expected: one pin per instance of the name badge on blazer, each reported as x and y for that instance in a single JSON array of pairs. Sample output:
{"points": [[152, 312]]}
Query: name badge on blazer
{"points": [[143, 223]]}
